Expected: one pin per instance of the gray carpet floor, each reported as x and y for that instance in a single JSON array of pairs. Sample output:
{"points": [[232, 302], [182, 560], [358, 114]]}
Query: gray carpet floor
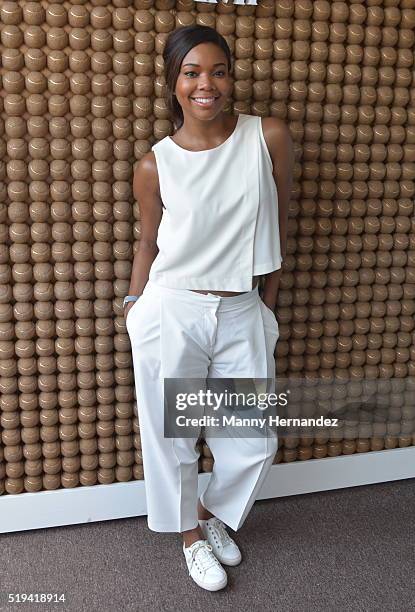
{"points": [[345, 550]]}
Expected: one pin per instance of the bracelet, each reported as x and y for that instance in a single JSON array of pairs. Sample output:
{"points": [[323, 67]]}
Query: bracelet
{"points": [[130, 298]]}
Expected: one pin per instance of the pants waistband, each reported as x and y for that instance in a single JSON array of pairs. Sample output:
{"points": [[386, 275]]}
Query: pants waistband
{"points": [[202, 299]]}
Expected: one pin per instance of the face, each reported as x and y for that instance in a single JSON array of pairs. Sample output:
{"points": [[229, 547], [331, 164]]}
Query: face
{"points": [[204, 83]]}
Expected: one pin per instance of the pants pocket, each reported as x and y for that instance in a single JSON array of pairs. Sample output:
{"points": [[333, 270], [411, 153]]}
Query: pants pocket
{"points": [[270, 320], [132, 310]]}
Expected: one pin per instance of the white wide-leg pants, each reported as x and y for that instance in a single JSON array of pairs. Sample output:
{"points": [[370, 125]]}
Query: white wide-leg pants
{"points": [[177, 333]]}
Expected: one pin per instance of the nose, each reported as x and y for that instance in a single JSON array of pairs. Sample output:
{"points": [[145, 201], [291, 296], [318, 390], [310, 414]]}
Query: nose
{"points": [[204, 82]]}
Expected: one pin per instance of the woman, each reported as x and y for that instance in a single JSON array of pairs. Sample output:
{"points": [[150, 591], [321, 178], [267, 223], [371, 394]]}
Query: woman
{"points": [[213, 204]]}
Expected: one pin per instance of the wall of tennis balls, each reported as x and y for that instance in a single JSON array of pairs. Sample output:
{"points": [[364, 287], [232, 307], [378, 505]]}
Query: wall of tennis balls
{"points": [[82, 99]]}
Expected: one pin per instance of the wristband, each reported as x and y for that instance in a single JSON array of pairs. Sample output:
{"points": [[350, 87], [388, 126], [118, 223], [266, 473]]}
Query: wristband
{"points": [[129, 298]]}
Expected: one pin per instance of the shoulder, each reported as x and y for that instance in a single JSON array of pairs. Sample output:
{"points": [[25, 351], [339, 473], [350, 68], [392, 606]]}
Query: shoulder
{"points": [[276, 134], [146, 174]]}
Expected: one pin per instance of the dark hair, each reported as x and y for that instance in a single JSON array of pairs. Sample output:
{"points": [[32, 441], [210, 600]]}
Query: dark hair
{"points": [[178, 45]]}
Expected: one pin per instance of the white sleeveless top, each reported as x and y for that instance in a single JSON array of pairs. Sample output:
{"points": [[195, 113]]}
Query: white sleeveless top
{"points": [[219, 227]]}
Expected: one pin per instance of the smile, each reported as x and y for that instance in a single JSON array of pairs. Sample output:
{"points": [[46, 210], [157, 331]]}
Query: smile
{"points": [[205, 101]]}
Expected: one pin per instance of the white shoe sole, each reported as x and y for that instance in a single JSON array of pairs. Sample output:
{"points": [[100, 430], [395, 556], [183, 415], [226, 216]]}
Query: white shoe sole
{"points": [[211, 587], [232, 562]]}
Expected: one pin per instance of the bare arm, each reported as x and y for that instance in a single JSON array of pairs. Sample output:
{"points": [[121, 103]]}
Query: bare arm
{"points": [[147, 193], [280, 145]]}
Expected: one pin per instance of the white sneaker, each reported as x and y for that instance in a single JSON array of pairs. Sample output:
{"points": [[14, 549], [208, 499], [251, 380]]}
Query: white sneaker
{"points": [[204, 567], [224, 547]]}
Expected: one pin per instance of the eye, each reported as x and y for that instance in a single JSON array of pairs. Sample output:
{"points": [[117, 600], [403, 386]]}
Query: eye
{"points": [[189, 73]]}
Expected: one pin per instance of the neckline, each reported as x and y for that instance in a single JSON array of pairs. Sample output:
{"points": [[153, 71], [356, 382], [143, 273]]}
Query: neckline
{"points": [[214, 148]]}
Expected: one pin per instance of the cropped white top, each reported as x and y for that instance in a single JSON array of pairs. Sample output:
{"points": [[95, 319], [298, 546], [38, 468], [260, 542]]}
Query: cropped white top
{"points": [[219, 226]]}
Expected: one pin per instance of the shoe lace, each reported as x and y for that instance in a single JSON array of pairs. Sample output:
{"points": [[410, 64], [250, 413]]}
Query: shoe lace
{"points": [[204, 556], [223, 534]]}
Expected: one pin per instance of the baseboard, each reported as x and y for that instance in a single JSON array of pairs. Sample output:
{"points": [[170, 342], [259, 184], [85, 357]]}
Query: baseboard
{"points": [[127, 499]]}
